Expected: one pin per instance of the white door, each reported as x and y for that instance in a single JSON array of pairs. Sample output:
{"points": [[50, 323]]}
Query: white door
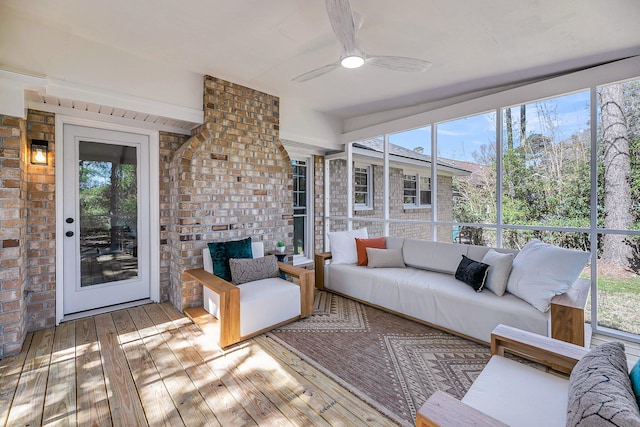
{"points": [[106, 217]]}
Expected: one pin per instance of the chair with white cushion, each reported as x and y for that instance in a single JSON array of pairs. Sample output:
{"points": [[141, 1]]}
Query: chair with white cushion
{"points": [[250, 308]]}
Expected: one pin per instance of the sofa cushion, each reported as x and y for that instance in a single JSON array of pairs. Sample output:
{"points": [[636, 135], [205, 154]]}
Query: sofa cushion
{"points": [[518, 394], [600, 391], [343, 245], [363, 244], [385, 258], [635, 381], [266, 303], [473, 273], [540, 271], [436, 298], [498, 272], [221, 252], [433, 256], [248, 270]]}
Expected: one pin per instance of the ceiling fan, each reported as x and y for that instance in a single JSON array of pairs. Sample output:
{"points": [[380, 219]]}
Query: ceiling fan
{"points": [[345, 23]]}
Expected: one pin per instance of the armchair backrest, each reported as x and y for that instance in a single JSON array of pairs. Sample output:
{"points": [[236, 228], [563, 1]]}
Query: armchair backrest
{"points": [[257, 248]]}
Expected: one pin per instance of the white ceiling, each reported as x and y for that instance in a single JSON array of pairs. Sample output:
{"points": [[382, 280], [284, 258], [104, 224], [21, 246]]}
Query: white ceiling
{"points": [[263, 44]]}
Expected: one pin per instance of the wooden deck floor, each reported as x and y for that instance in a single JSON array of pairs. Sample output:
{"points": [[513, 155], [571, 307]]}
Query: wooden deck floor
{"points": [[149, 365]]}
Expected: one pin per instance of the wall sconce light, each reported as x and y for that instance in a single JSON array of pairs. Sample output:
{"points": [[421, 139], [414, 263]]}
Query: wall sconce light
{"points": [[39, 152]]}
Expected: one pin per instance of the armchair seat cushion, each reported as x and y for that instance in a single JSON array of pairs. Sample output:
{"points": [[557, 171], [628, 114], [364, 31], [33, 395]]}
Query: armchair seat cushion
{"points": [[517, 394], [267, 302]]}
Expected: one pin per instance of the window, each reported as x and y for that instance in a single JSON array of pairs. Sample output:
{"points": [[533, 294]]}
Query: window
{"points": [[416, 191], [362, 193], [300, 210]]}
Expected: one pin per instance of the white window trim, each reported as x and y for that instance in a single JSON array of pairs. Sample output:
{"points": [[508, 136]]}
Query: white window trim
{"points": [[309, 236], [369, 203], [417, 205]]}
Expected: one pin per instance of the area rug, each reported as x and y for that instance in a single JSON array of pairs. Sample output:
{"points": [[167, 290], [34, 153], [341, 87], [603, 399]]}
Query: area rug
{"points": [[392, 362]]}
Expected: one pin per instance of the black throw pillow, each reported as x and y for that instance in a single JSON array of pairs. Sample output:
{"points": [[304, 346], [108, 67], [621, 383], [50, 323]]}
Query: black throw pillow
{"points": [[473, 273]]}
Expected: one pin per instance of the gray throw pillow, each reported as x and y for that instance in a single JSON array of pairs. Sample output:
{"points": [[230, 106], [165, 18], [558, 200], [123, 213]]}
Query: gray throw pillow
{"points": [[249, 270], [499, 270], [385, 258], [600, 390]]}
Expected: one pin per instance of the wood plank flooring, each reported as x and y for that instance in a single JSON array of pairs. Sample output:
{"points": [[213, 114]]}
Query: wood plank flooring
{"points": [[149, 365]]}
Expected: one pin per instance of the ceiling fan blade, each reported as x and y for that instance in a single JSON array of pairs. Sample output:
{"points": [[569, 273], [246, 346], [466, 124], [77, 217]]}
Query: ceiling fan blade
{"points": [[342, 22], [399, 63], [316, 73]]}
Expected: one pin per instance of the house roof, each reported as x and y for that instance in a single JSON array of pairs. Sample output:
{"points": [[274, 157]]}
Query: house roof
{"points": [[399, 153]]}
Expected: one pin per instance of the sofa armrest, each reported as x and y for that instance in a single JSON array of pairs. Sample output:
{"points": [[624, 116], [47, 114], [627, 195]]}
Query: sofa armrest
{"points": [[229, 304], [559, 355], [320, 260], [305, 281], [443, 410], [567, 313]]}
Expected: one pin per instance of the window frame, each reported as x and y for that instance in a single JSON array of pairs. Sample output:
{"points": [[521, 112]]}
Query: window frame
{"points": [[418, 190], [368, 171], [307, 254]]}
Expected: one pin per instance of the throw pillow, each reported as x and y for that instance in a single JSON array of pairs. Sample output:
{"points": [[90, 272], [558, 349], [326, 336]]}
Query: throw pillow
{"points": [[600, 390], [249, 270], [222, 251], [635, 380], [363, 244], [540, 271], [385, 258], [498, 272], [343, 245], [473, 273]]}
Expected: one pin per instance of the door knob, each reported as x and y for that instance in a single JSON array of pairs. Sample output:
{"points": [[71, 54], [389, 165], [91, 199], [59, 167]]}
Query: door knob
{"points": [[69, 220], [69, 234]]}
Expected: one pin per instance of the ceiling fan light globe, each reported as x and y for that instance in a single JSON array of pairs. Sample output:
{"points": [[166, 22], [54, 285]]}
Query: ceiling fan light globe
{"points": [[352, 61]]}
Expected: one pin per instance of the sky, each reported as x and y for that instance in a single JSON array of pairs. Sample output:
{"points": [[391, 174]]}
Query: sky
{"points": [[459, 139]]}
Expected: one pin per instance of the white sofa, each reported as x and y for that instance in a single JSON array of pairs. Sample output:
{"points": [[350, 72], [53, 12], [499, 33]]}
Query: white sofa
{"points": [[253, 307], [427, 291]]}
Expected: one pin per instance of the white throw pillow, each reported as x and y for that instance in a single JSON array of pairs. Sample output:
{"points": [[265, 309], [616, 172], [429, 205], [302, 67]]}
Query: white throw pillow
{"points": [[499, 269], [540, 271], [343, 245]]}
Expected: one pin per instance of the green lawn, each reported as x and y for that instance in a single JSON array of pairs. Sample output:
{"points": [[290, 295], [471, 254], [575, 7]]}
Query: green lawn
{"points": [[619, 304]]}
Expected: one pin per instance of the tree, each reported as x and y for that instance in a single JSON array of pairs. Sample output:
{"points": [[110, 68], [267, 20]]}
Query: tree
{"points": [[617, 172]]}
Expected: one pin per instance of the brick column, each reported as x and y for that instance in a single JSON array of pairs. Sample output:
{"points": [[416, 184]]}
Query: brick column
{"points": [[13, 230], [231, 180]]}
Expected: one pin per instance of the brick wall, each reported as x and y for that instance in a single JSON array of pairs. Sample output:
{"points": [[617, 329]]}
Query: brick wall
{"points": [[231, 180], [169, 144], [338, 203], [318, 208], [13, 230], [41, 227]]}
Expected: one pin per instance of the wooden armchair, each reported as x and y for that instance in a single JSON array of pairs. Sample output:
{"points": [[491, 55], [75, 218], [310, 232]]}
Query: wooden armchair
{"points": [[444, 410], [244, 311]]}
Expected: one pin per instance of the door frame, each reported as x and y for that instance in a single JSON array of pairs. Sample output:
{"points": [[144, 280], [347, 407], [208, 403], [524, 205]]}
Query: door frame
{"points": [[154, 203]]}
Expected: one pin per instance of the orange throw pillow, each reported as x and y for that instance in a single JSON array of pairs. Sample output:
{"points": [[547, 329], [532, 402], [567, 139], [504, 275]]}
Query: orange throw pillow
{"points": [[363, 244]]}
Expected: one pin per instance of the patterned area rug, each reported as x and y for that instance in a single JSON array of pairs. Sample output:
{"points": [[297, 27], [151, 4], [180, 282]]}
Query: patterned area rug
{"points": [[393, 363]]}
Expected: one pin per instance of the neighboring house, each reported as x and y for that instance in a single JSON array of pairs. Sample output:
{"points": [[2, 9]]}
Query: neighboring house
{"points": [[410, 189]]}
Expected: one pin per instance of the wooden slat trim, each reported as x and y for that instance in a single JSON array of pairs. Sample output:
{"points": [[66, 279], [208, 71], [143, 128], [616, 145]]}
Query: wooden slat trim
{"points": [[92, 402], [211, 281], [124, 402], [60, 402], [10, 371], [443, 410], [567, 313], [320, 260], [229, 322], [33, 381], [556, 354]]}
